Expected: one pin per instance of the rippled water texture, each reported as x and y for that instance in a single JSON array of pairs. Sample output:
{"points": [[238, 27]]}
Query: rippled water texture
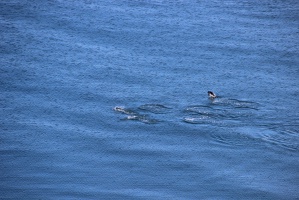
{"points": [[108, 99]]}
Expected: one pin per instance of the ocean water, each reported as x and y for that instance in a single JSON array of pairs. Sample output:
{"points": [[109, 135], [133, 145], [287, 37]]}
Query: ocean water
{"points": [[108, 99]]}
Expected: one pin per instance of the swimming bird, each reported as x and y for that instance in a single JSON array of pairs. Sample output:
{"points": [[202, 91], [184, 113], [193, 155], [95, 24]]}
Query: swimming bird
{"points": [[211, 94]]}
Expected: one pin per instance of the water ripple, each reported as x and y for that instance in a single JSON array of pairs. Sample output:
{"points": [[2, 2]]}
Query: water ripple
{"points": [[221, 116], [124, 110], [155, 108], [285, 139], [135, 116], [142, 118], [231, 139], [220, 112], [234, 103]]}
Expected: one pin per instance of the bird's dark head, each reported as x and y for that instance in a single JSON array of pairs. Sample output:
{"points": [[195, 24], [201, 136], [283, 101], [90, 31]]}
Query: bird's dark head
{"points": [[211, 94]]}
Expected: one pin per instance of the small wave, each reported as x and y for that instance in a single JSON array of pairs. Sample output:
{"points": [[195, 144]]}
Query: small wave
{"points": [[231, 139], [142, 118], [284, 139], [198, 114], [135, 116], [132, 117], [202, 111], [124, 110], [235, 103], [198, 109], [205, 120], [155, 108], [206, 114], [244, 135], [244, 104], [196, 120]]}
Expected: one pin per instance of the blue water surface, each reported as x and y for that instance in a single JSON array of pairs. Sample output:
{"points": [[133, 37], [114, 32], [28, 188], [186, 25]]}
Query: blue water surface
{"points": [[108, 99]]}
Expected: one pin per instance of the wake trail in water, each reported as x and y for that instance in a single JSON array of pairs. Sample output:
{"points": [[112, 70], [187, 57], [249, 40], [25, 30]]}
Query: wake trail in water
{"points": [[242, 116]]}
